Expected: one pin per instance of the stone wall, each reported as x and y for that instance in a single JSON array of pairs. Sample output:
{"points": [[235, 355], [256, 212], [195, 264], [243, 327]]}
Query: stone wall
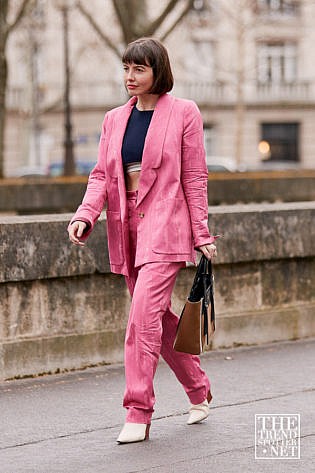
{"points": [[60, 308], [42, 195]]}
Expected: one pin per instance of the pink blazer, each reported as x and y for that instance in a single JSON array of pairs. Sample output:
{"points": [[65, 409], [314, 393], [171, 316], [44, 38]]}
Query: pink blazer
{"points": [[172, 193]]}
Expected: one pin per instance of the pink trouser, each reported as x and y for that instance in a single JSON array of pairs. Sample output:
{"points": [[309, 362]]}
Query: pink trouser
{"points": [[151, 331]]}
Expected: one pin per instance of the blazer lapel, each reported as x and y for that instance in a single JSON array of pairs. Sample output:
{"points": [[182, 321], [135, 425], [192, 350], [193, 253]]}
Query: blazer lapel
{"points": [[153, 146], [118, 129], [117, 169]]}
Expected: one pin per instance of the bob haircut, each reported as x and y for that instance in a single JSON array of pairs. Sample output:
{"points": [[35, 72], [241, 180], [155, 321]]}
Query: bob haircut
{"points": [[151, 52]]}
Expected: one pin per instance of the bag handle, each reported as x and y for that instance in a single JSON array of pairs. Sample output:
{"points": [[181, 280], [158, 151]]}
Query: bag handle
{"points": [[207, 280]]}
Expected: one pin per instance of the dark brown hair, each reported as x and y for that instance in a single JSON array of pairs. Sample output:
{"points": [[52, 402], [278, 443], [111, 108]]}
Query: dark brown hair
{"points": [[151, 52]]}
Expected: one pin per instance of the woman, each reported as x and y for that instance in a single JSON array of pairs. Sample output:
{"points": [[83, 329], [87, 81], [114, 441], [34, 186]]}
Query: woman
{"points": [[151, 172]]}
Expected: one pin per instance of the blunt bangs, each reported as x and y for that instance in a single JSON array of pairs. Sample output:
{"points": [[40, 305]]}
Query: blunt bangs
{"points": [[151, 52], [137, 54]]}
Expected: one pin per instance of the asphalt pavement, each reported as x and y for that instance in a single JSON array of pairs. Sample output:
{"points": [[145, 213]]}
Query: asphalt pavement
{"points": [[68, 423]]}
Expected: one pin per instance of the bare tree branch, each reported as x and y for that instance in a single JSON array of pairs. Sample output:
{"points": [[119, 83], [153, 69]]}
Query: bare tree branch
{"points": [[154, 25], [122, 22], [4, 28], [132, 15], [178, 20], [21, 13], [98, 30]]}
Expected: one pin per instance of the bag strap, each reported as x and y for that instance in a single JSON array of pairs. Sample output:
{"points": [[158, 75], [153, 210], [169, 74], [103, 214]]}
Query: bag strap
{"points": [[207, 279]]}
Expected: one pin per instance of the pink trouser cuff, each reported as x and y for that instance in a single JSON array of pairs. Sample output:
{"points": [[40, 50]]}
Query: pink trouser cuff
{"points": [[138, 416]]}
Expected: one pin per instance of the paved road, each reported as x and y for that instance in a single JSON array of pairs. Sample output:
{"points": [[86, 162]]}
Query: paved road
{"points": [[68, 423]]}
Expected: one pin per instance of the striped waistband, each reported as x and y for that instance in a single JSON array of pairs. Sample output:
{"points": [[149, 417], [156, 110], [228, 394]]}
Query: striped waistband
{"points": [[132, 167]]}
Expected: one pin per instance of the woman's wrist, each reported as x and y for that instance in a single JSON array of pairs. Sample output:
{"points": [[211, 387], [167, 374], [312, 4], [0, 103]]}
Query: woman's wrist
{"points": [[87, 224]]}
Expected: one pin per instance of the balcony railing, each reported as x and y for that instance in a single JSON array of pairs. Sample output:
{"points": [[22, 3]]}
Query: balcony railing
{"points": [[204, 93], [16, 99], [285, 9], [283, 92], [109, 94]]}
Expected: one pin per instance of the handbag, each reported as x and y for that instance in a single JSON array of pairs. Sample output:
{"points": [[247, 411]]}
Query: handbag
{"points": [[197, 320]]}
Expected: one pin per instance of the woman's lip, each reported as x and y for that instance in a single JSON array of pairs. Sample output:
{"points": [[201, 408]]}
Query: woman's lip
{"points": [[130, 86]]}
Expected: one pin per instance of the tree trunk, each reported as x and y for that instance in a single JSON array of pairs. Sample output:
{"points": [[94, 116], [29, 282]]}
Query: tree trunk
{"points": [[3, 83], [132, 15], [4, 4]]}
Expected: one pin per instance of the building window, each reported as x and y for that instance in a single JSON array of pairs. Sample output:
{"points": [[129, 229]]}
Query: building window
{"points": [[199, 5], [202, 57], [278, 7], [202, 6], [209, 137], [277, 63], [199, 60], [283, 140]]}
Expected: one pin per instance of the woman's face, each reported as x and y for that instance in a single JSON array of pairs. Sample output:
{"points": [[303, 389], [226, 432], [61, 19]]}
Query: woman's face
{"points": [[138, 79]]}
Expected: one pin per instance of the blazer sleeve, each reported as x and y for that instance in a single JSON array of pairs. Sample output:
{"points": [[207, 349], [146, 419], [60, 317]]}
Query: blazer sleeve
{"points": [[195, 175], [96, 192]]}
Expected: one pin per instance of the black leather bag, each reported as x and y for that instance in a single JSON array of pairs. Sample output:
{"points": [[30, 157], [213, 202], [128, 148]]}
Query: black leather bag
{"points": [[197, 320]]}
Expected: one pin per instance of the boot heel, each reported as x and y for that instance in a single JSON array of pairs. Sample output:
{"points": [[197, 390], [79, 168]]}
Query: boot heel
{"points": [[199, 412], [132, 432]]}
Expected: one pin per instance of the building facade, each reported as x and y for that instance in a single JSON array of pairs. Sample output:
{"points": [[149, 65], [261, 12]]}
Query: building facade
{"points": [[247, 63]]}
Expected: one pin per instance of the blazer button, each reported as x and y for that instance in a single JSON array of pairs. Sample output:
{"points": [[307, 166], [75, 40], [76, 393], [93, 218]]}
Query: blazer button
{"points": [[141, 214]]}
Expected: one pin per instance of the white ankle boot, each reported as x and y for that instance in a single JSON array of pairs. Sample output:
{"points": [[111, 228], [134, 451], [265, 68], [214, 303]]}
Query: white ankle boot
{"points": [[199, 412], [132, 432]]}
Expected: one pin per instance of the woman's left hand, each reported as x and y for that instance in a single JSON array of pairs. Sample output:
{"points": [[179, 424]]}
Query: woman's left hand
{"points": [[210, 251]]}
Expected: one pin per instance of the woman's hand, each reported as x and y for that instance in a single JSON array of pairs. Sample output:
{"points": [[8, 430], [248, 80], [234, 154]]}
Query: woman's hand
{"points": [[75, 231], [210, 251]]}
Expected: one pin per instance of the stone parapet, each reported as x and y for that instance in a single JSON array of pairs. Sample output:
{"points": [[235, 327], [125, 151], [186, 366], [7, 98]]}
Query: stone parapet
{"points": [[263, 186], [47, 195], [60, 308]]}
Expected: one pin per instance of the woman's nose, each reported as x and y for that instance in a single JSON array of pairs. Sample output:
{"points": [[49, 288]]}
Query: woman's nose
{"points": [[130, 75]]}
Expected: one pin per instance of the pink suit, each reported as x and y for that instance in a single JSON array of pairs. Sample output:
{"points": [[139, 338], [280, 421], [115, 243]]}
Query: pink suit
{"points": [[151, 233]]}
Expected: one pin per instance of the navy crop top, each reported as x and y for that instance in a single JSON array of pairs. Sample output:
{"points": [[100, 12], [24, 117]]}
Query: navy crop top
{"points": [[136, 131]]}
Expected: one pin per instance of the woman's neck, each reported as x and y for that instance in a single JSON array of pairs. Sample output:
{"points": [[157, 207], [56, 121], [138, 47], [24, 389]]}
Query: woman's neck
{"points": [[147, 102]]}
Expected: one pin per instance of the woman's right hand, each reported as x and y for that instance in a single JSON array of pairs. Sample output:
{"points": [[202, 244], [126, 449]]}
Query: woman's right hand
{"points": [[75, 231]]}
